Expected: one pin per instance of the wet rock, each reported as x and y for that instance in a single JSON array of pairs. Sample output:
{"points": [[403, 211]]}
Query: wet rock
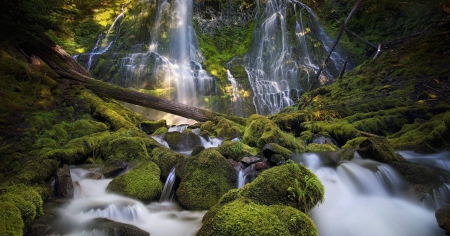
{"points": [[250, 160], [112, 228], [260, 165], [64, 186], [234, 163], [276, 154], [443, 218], [379, 149], [149, 127], [182, 141], [113, 167], [236, 150], [424, 148], [93, 175], [323, 139]]}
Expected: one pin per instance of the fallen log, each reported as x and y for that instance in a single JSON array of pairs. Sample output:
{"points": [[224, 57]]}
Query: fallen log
{"points": [[65, 66]]}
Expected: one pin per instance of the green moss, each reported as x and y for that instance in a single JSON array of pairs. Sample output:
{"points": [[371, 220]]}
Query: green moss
{"points": [[11, 222], [261, 131], [77, 150], [149, 127], [354, 143], [236, 150], [166, 159], [432, 132], [291, 185], [204, 179], [340, 131], [160, 131], [35, 171], [315, 147], [379, 149], [141, 183], [224, 128], [128, 149], [26, 208], [244, 217]]}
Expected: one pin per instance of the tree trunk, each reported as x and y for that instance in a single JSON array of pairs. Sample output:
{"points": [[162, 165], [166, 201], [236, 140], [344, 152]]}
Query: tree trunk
{"points": [[341, 30]]}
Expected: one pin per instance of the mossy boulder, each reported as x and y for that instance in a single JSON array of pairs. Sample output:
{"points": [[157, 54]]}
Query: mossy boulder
{"points": [[204, 179], [182, 141], [291, 185], [35, 171], [150, 126], [11, 222], [290, 122], [341, 131], [244, 217], [276, 154], [261, 131], [236, 150], [166, 159], [315, 147], [379, 149], [84, 127], [127, 148], [224, 128], [141, 183], [27, 200], [354, 143]]}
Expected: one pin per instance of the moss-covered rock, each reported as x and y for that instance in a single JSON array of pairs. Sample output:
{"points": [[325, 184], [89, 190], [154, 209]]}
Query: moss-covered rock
{"points": [[244, 217], [150, 126], [290, 122], [141, 183], [276, 154], [236, 150], [77, 150], [33, 172], [127, 148], [379, 149], [261, 131], [432, 132], [315, 147], [291, 185], [11, 222], [204, 179], [354, 143], [182, 141], [166, 159], [224, 128], [341, 131]]}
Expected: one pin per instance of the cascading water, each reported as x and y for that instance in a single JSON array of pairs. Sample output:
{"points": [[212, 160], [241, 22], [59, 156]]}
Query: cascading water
{"points": [[167, 193], [94, 202], [281, 62], [364, 197], [238, 106], [174, 54]]}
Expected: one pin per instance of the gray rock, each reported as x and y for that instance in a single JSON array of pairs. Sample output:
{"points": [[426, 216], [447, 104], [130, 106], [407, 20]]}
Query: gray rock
{"points": [[113, 167], [64, 185]]}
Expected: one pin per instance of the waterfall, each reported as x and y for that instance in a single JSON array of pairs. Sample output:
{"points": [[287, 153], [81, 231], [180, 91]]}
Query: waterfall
{"points": [[241, 178], [236, 101], [95, 202], [104, 42], [282, 62], [364, 197], [167, 193], [172, 55]]}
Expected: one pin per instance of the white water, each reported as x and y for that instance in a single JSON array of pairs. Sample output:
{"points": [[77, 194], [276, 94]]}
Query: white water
{"points": [[167, 193], [236, 101], [363, 197], [275, 69], [177, 59], [159, 219]]}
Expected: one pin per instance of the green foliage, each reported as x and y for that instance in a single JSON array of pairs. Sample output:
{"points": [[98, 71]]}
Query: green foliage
{"points": [[141, 183], [204, 179], [339, 130], [224, 128]]}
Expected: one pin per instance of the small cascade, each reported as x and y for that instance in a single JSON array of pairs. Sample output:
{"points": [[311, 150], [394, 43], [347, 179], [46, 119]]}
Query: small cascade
{"points": [[364, 197], [95, 202], [280, 67], [167, 193], [104, 42], [241, 179], [178, 128], [237, 104]]}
